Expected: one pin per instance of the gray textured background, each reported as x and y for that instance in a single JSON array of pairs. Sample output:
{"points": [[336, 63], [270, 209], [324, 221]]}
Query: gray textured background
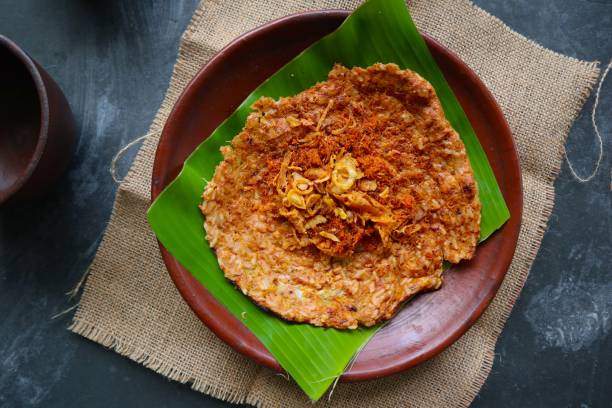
{"points": [[113, 60]]}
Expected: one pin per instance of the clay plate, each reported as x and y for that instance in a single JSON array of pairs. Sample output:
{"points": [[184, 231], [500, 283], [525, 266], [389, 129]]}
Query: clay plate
{"points": [[430, 322]]}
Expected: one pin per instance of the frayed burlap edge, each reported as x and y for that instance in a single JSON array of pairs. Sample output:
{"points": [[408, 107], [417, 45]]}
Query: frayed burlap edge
{"points": [[110, 341]]}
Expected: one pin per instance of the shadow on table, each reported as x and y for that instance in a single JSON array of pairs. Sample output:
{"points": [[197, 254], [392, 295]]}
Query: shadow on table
{"points": [[42, 240], [99, 9]]}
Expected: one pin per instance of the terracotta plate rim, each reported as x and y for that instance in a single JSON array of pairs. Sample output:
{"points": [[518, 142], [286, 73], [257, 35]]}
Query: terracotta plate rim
{"points": [[208, 309]]}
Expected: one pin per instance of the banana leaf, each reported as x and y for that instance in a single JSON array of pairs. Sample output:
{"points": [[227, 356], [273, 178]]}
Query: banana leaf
{"points": [[378, 31]]}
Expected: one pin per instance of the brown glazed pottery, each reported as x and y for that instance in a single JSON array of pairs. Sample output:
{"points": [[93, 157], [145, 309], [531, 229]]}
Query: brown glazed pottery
{"points": [[37, 129], [430, 322]]}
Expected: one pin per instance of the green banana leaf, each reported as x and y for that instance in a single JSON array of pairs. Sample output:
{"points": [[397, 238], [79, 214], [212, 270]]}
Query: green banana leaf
{"points": [[378, 31]]}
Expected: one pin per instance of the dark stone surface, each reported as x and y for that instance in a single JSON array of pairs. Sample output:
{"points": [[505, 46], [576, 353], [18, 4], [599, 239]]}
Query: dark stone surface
{"points": [[113, 60]]}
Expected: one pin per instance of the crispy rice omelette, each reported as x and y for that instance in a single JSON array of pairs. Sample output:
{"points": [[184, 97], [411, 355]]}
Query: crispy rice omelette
{"points": [[334, 206]]}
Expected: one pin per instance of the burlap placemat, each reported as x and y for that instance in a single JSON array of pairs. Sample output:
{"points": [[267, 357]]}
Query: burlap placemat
{"points": [[130, 304]]}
